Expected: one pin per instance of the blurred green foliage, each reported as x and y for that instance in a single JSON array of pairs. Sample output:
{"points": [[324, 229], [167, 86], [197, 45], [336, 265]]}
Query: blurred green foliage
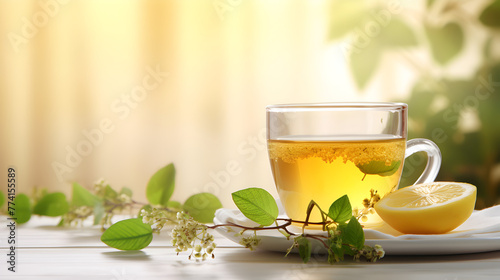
{"points": [[461, 115]]}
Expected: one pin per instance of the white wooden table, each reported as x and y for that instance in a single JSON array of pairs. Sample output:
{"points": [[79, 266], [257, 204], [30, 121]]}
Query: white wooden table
{"points": [[45, 251]]}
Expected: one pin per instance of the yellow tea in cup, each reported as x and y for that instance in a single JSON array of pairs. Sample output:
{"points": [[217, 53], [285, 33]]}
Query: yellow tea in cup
{"points": [[305, 170], [324, 151]]}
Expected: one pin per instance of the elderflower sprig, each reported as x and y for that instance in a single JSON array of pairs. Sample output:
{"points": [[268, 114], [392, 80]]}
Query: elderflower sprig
{"points": [[190, 234], [157, 217], [77, 216], [368, 204], [250, 242], [342, 233], [112, 202]]}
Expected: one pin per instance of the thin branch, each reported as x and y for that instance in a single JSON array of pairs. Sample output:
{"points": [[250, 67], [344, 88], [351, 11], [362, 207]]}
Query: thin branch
{"points": [[283, 226]]}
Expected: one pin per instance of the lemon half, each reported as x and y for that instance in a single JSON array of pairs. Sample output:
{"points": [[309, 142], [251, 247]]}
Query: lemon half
{"points": [[430, 208]]}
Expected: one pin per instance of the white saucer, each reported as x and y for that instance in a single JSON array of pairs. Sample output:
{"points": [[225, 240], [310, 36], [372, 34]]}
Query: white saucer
{"points": [[480, 233]]}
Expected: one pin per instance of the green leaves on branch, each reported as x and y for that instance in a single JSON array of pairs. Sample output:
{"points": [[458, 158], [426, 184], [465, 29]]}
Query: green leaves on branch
{"points": [[372, 29], [202, 207], [52, 205], [345, 234], [257, 205], [446, 42], [367, 45], [161, 186], [105, 202], [49, 204], [131, 234]]}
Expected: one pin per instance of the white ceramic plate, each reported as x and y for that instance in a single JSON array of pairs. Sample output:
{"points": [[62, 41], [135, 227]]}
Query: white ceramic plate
{"points": [[461, 242]]}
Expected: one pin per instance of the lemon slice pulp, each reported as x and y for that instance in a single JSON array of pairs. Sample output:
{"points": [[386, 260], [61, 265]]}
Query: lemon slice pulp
{"points": [[430, 208]]}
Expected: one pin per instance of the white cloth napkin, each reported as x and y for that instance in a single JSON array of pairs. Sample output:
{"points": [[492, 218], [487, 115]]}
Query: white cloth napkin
{"points": [[482, 223]]}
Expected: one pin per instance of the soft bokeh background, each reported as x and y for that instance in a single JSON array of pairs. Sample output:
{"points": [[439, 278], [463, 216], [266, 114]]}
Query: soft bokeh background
{"points": [[154, 82]]}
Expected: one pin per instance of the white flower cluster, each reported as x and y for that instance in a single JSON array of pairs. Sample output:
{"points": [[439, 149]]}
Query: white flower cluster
{"points": [[371, 253], [368, 209], [250, 242], [157, 218], [124, 198], [379, 251], [362, 214], [77, 216], [186, 234]]}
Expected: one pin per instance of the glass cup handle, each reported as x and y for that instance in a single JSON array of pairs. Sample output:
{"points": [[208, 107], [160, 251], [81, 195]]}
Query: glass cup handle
{"points": [[433, 158]]}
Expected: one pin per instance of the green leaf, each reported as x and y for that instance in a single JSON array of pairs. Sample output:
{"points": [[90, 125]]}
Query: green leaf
{"points": [[257, 205], [131, 234], [304, 248], [446, 42], [2, 199], [430, 3], [82, 197], [379, 167], [52, 205], [109, 192], [363, 63], [397, 34], [23, 208], [174, 204], [346, 16], [491, 15], [340, 211], [353, 234], [202, 207], [161, 186]]}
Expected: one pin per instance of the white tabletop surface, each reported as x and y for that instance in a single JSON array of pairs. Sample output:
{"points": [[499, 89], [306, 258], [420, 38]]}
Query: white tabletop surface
{"points": [[45, 251]]}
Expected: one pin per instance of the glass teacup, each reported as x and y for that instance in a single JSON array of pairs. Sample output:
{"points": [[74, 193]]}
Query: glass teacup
{"points": [[321, 152]]}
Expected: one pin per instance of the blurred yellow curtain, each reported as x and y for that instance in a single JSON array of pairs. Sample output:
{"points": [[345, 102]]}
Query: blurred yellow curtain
{"points": [[118, 89]]}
